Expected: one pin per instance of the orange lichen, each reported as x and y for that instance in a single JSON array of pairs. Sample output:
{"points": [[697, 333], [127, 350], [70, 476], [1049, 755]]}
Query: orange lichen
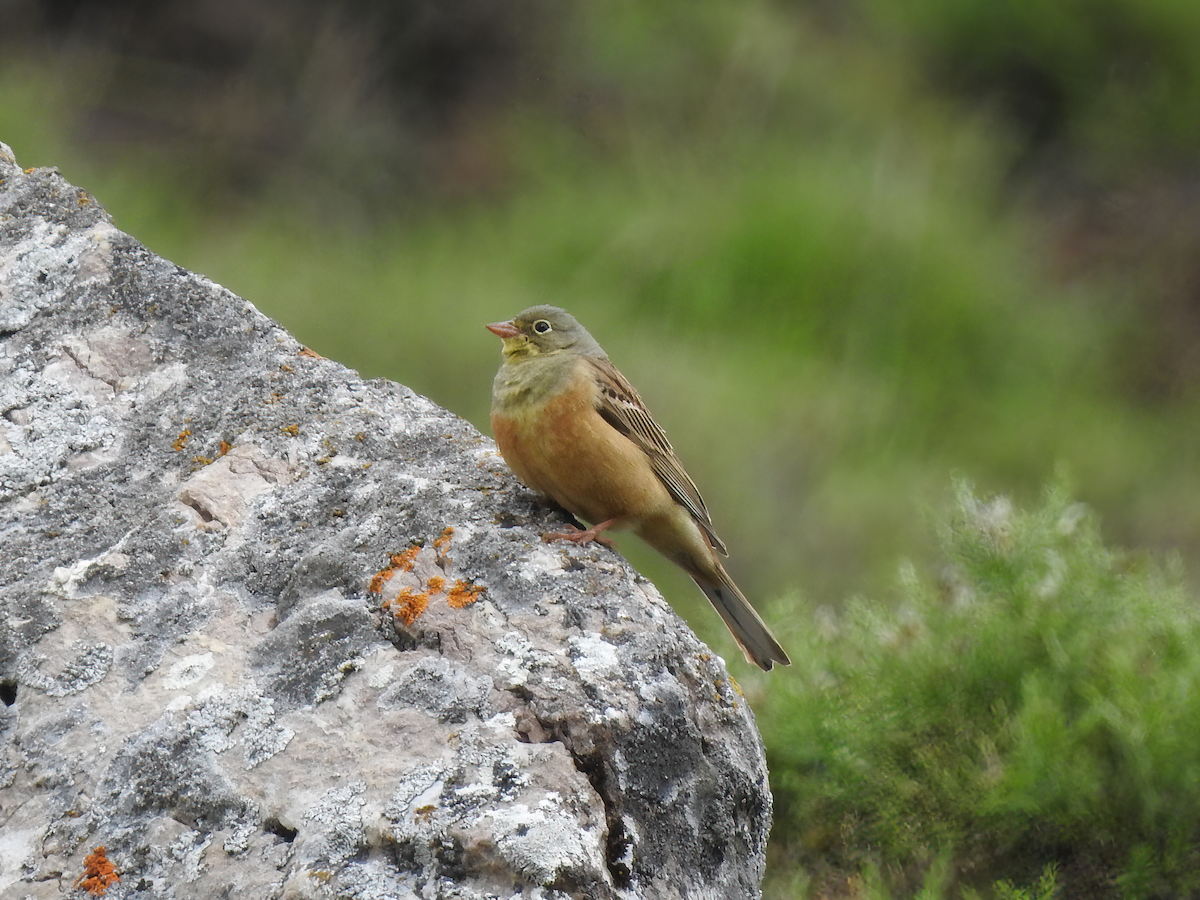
{"points": [[441, 543], [224, 447], [98, 873], [410, 602], [400, 562], [408, 606], [404, 561], [181, 441], [463, 594], [290, 430]]}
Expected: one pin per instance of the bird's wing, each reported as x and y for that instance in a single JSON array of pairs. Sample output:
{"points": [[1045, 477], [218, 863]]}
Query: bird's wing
{"points": [[621, 406]]}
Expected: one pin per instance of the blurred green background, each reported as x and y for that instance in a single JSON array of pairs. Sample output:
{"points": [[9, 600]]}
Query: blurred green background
{"points": [[844, 249]]}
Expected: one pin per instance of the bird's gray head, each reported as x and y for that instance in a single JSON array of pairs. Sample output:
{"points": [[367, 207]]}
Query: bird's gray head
{"points": [[544, 329]]}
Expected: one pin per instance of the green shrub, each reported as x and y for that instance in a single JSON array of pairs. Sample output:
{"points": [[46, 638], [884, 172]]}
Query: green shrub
{"points": [[1036, 703], [1113, 79]]}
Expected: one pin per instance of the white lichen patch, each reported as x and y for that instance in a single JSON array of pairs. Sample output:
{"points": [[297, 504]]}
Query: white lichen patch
{"points": [[594, 658], [544, 846], [188, 671]]}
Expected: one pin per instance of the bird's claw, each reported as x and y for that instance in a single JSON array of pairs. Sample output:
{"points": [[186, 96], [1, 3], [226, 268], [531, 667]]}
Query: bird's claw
{"points": [[581, 535]]}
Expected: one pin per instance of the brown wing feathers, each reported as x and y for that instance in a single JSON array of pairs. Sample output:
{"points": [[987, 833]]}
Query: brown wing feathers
{"points": [[621, 406]]}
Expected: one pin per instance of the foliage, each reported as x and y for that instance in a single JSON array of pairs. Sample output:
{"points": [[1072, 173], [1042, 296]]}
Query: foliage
{"points": [[1112, 81], [1035, 702], [1046, 887]]}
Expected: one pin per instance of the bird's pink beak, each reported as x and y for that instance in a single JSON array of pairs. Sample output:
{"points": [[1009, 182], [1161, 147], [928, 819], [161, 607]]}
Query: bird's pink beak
{"points": [[503, 329]]}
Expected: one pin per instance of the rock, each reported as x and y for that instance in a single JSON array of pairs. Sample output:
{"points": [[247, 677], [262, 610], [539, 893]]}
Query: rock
{"points": [[272, 631]]}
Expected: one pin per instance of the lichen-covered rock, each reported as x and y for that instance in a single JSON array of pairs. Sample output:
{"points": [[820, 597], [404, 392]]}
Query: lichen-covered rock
{"points": [[271, 631]]}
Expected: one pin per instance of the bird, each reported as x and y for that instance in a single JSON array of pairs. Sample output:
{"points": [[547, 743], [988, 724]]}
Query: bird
{"points": [[572, 427]]}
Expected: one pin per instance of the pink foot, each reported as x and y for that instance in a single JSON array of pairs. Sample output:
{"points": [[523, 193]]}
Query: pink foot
{"points": [[583, 536]]}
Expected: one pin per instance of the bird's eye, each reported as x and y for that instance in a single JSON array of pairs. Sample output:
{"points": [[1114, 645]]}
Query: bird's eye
{"points": [[541, 326]]}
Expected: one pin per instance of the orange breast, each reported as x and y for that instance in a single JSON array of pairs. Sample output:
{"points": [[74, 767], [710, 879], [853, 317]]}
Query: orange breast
{"points": [[565, 450]]}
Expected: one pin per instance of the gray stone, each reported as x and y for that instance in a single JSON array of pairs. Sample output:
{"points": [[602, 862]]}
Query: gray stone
{"points": [[219, 662]]}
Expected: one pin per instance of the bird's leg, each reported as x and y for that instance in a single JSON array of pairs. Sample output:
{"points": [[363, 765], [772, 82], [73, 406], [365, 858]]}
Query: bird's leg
{"points": [[583, 535]]}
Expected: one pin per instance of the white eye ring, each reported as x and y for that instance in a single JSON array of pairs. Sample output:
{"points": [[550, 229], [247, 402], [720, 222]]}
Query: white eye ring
{"points": [[541, 326]]}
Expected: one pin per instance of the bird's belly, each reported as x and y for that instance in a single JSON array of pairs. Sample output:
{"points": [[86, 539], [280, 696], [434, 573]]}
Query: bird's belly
{"points": [[570, 453]]}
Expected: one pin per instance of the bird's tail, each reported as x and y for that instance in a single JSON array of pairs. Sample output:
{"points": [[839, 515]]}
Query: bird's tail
{"points": [[746, 626]]}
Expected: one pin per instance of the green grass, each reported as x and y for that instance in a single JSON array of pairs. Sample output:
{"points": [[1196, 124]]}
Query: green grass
{"points": [[1033, 704]]}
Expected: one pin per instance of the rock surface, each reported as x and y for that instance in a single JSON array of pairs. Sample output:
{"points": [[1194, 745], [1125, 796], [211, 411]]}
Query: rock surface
{"points": [[271, 631]]}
